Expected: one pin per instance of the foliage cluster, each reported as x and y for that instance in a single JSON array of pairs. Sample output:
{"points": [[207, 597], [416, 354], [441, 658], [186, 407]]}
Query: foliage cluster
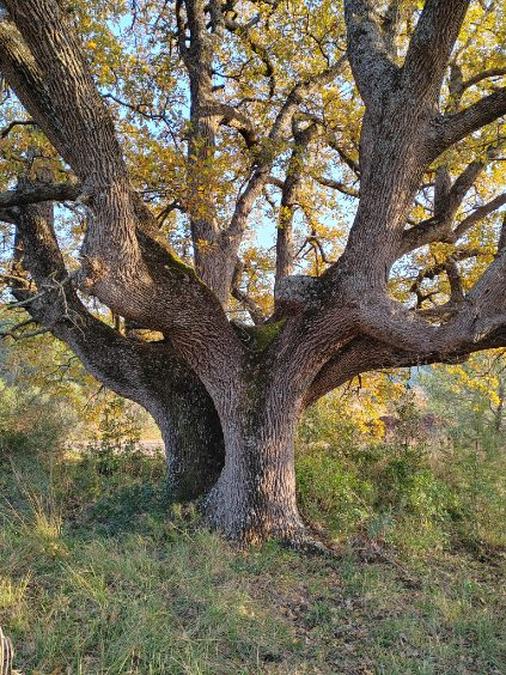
{"points": [[136, 64], [30, 419], [414, 488]]}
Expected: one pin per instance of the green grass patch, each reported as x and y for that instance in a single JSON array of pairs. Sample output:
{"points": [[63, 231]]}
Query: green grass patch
{"points": [[100, 575]]}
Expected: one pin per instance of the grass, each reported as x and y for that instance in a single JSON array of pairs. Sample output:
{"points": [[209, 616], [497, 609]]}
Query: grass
{"points": [[98, 575]]}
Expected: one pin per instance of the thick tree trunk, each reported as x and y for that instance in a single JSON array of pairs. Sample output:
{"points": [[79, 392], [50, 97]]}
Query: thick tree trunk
{"points": [[255, 496], [193, 440]]}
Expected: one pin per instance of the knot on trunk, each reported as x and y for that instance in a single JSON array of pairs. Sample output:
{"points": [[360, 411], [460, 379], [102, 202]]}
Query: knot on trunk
{"points": [[92, 270], [295, 292]]}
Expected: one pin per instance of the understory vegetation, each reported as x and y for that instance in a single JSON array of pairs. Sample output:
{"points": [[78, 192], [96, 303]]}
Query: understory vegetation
{"points": [[100, 573]]}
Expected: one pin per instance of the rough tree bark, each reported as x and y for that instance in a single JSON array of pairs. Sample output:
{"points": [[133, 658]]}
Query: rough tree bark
{"points": [[227, 397]]}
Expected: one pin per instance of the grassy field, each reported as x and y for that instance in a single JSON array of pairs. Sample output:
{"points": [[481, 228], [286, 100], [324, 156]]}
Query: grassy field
{"points": [[98, 576]]}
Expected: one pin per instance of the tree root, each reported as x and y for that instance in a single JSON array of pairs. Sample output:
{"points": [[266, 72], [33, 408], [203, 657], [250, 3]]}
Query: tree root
{"points": [[310, 540]]}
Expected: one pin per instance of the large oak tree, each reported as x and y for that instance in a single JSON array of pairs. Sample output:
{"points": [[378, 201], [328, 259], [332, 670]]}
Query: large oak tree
{"points": [[170, 131]]}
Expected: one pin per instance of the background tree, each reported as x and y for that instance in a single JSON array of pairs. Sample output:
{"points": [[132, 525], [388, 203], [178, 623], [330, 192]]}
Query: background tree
{"points": [[470, 396], [169, 128]]}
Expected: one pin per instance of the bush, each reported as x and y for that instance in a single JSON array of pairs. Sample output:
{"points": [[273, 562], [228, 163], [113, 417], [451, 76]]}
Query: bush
{"points": [[332, 494], [30, 421], [119, 433], [413, 490]]}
